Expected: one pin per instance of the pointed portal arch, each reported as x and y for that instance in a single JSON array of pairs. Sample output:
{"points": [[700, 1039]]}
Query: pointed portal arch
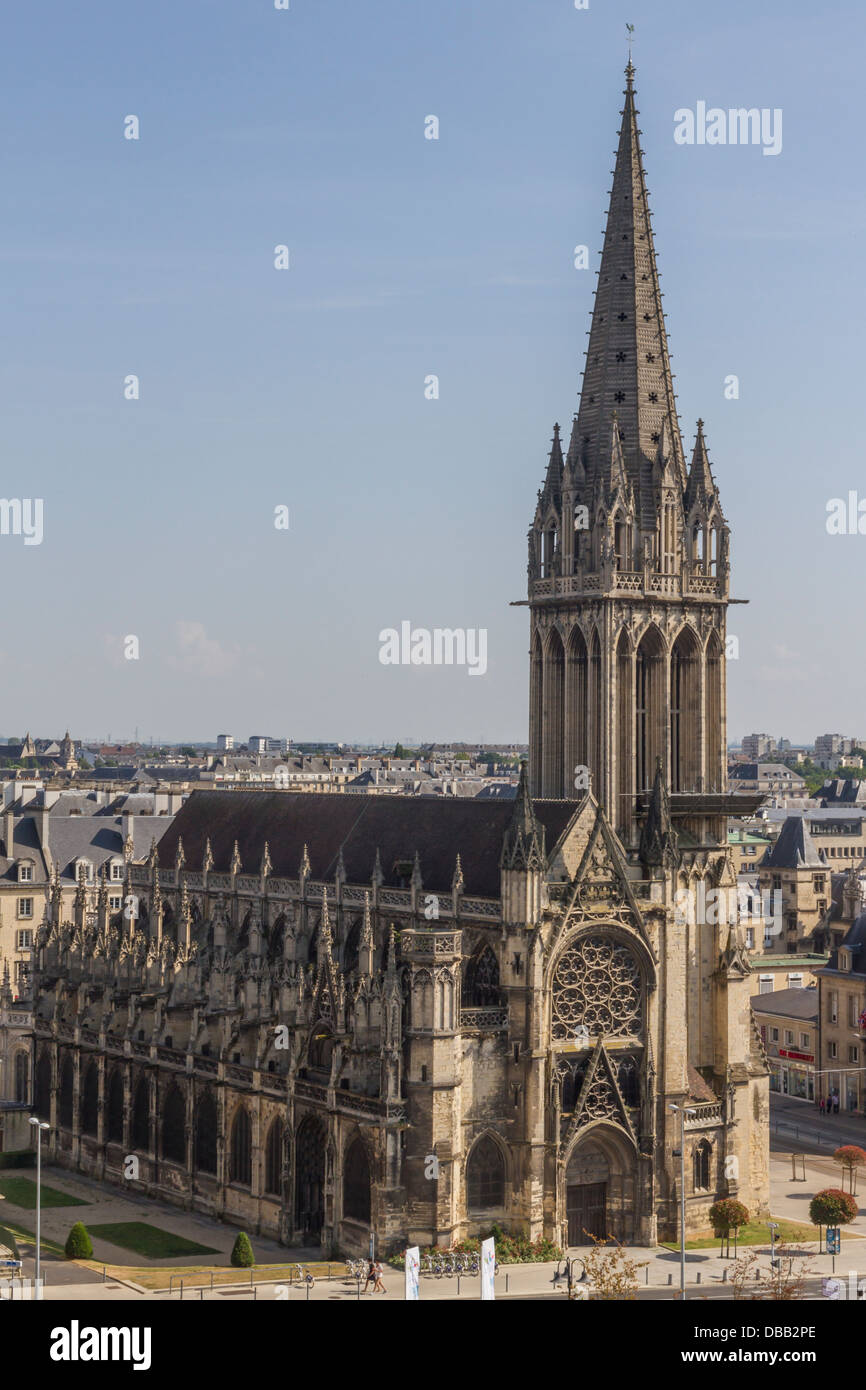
{"points": [[310, 1179], [356, 1183]]}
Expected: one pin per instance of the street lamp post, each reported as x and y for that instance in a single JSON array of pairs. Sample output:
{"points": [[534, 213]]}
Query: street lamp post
{"points": [[682, 1111], [39, 1125]]}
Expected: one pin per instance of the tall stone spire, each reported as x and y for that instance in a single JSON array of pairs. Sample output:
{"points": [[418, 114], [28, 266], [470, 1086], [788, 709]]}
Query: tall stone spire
{"points": [[627, 362], [523, 846], [701, 487]]}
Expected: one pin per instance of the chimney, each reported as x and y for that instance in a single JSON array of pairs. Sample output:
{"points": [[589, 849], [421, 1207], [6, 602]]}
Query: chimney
{"points": [[9, 833], [128, 825]]}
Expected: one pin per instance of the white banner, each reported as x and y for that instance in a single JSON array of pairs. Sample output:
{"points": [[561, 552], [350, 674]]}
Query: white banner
{"points": [[488, 1267], [413, 1271]]}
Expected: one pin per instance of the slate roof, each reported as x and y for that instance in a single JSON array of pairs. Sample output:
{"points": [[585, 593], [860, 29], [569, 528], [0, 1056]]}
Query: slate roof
{"points": [[842, 791], [790, 1003], [794, 849], [855, 940], [99, 839], [437, 828]]}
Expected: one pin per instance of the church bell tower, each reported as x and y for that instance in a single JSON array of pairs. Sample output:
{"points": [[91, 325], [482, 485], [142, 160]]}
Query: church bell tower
{"points": [[628, 556]]}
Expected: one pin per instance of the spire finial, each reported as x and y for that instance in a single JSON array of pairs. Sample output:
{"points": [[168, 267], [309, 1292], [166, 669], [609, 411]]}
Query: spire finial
{"points": [[629, 72]]}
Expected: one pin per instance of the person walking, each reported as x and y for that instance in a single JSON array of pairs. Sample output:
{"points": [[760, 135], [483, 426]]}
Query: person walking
{"points": [[821, 1105], [378, 1286], [371, 1276]]}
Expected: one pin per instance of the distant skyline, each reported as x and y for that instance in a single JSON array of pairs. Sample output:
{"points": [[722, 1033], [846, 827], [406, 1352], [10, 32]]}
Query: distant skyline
{"points": [[409, 257]]}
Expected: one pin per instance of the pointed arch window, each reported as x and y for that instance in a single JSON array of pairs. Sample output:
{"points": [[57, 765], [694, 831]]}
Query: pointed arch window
{"points": [[66, 1080], [90, 1100], [174, 1127], [22, 1078], [627, 1080], [701, 1166], [141, 1116], [115, 1107], [274, 1158], [206, 1134], [481, 988], [241, 1151], [485, 1176], [43, 1087]]}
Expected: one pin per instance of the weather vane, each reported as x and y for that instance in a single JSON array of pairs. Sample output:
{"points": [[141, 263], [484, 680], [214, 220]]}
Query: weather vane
{"points": [[630, 28]]}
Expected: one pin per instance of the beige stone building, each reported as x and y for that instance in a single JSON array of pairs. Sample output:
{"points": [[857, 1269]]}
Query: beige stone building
{"points": [[326, 1015]]}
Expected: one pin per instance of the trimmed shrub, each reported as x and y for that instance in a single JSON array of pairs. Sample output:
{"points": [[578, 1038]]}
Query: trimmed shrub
{"points": [[242, 1252], [832, 1207], [727, 1215], [78, 1243]]}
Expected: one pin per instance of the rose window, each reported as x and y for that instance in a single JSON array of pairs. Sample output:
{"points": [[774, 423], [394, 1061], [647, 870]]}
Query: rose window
{"points": [[596, 989]]}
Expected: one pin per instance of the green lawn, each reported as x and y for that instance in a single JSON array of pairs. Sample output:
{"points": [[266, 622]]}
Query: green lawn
{"points": [[22, 1191], [757, 1233], [149, 1241]]}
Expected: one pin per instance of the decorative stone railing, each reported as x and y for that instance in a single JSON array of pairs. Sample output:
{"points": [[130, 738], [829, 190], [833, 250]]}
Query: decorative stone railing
{"points": [[242, 1075], [707, 1112], [483, 1020]]}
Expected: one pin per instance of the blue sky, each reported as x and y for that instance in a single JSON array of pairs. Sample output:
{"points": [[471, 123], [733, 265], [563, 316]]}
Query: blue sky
{"points": [[408, 257]]}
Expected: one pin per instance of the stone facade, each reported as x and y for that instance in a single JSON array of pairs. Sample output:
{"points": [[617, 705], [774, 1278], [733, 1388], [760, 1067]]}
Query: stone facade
{"points": [[321, 1016]]}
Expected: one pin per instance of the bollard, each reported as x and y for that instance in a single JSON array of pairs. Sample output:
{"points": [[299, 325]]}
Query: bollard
{"points": [[506, 1283], [647, 1274], [255, 1293], [201, 1294], [251, 1278], [211, 1281], [699, 1276], [181, 1290], [725, 1275], [670, 1279], [458, 1285], [103, 1274]]}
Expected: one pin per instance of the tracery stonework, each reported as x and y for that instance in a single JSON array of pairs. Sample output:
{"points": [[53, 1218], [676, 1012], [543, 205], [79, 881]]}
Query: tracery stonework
{"points": [[596, 986], [283, 1038]]}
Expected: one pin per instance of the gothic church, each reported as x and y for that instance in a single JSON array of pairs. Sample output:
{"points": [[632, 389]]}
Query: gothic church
{"points": [[324, 1015]]}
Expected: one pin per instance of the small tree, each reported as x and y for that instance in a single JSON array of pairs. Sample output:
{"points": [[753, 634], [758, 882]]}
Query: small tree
{"points": [[611, 1272], [78, 1243], [242, 1252], [832, 1207], [726, 1216], [786, 1283], [850, 1157]]}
